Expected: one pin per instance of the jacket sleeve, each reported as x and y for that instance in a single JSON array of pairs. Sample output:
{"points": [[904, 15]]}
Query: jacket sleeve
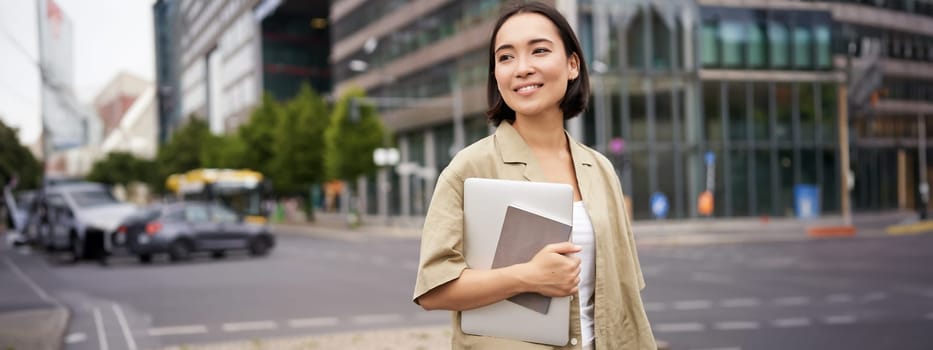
{"points": [[441, 257]]}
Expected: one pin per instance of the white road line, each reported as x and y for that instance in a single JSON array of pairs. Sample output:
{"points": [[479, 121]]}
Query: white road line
{"points": [[101, 333], [177, 330], [740, 302], [313, 322], [874, 297], [130, 342], [378, 318], [32, 284], [678, 327], [791, 322], [379, 260], [410, 265], [729, 348], [737, 325], [839, 319], [432, 316], [693, 304], [75, 338], [249, 326], [655, 306], [791, 301], [840, 298]]}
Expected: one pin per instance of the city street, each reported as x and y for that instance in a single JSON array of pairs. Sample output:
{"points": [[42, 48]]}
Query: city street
{"points": [[857, 293]]}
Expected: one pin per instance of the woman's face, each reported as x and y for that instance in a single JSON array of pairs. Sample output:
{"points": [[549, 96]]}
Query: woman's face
{"points": [[532, 69]]}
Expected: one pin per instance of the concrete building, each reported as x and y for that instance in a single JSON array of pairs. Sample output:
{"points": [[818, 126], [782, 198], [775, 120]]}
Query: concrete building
{"points": [[769, 87], [216, 58]]}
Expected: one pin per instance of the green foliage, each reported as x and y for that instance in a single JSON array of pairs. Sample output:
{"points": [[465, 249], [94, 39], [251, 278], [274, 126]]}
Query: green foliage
{"points": [[299, 143], [185, 150], [223, 151], [258, 136], [16, 159], [122, 168], [352, 137]]}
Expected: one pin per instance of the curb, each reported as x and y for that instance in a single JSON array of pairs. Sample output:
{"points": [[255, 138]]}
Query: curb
{"points": [[831, 231], [910, 229], [34, 329]]}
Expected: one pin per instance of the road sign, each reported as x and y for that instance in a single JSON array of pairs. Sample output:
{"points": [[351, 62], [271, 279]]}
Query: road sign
{"points": [[659, 205], [710, 158]]}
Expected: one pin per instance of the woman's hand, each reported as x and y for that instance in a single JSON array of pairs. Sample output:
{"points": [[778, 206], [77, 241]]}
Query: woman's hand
{"points": [[552, 273]]}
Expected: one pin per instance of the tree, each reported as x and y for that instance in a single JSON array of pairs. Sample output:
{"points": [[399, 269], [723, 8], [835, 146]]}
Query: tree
{"points": [[185, 150], [299, 143], [258, 136], [122, 168], [355, 131], [17, 160], [223, 151]]}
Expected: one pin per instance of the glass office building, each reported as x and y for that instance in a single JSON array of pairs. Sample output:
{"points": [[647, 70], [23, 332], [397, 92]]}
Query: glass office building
{"points": [[755, 83]]}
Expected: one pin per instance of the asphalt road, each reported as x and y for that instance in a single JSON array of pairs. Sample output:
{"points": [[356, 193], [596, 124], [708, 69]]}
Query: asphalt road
{"points": [[862, 293]]}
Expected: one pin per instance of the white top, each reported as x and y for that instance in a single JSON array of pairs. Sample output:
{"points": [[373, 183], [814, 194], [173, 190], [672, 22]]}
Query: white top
{"points": [[582, 235]]}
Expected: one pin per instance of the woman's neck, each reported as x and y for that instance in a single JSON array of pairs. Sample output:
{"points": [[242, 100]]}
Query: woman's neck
{"points": [[545, 132]]}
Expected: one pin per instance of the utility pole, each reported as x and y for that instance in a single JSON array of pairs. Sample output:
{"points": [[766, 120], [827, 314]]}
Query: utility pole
{"points": [[924, 187]]}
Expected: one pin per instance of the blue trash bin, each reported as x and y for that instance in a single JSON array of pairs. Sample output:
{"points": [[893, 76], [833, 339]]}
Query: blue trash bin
{"points": [[807, 201]]}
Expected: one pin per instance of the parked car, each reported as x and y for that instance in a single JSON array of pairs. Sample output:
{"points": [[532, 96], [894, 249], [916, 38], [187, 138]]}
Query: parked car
{"points": [[80, 217], [180, 229]]}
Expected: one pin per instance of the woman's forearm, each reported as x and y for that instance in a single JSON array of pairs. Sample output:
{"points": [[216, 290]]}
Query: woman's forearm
{"points": [[475, 288]]}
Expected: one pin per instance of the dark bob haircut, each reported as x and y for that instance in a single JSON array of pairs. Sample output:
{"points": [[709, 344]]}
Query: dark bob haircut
{"points": [[578, 90]]}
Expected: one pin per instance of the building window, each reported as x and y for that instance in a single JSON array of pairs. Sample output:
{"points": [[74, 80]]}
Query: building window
{"points": [[778, 42], [710, 44], [802, 47], [823, 45], [732, 36], [756, 45]]}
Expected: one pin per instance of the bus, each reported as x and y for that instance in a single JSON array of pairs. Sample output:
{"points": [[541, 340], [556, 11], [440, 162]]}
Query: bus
{"points": [[242, 190]]}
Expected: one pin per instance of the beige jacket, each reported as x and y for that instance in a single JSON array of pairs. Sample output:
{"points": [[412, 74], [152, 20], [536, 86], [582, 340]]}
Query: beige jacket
{"points": [[620, 320]]}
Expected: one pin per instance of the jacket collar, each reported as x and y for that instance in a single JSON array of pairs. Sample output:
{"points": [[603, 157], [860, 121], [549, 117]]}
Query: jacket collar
{"points": [[514, 150]]}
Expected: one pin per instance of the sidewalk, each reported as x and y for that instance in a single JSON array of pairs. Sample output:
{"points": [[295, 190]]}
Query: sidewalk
{"points": [[647, 232]]}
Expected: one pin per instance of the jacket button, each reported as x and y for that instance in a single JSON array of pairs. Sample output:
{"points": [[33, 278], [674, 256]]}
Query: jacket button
{"points": [[573, 341]]}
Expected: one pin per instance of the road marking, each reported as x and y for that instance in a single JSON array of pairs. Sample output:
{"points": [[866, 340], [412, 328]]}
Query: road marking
{"points": [[874, 297], [840, 298], [791, 322], [711, 277], [379, 260], [839, 319], [178, 330], [101, 333], [249, 326], [737, 325], [791, 301], [75, 338], [693, 305], [432, 316], [729, 348], [313, 322], [740, 302], [654, 306], [678, 327], [32, 284], [411, 265], [130, 342], [378, 318]]}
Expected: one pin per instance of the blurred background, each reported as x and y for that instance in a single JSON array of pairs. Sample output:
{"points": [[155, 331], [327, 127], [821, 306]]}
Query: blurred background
{"points": [[723, 119]]}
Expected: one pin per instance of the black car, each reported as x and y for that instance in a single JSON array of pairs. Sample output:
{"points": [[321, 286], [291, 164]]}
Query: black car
{"points": [[180, 229]]}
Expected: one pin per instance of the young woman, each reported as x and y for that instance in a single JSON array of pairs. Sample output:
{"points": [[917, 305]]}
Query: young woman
{"points": [[538, 79]]}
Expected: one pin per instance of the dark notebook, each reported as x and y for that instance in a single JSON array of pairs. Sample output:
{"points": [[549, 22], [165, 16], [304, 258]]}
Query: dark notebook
{"points": [[523, 235]]}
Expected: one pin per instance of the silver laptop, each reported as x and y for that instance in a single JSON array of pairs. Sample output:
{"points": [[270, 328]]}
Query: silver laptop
{"points": [[485, 202]]}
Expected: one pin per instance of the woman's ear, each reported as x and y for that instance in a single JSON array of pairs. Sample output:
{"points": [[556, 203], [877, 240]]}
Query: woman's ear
{"points": [[573, 66]]}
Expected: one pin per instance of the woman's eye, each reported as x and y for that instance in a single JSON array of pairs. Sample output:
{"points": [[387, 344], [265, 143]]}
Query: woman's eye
{"points": [[504, 58], [540, 50]]}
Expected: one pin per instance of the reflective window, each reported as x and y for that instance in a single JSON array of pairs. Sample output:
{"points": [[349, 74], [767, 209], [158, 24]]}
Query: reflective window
{"points": [[709, 44], [821, 37], [756, 45], [802, 47], [732, 34], [778, 41]]}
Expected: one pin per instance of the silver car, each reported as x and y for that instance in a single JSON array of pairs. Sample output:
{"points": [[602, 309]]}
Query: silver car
{"points": [[180, 229]]}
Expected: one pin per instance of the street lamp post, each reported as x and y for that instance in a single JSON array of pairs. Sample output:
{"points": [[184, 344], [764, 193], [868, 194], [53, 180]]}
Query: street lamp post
{"points": [[385, 158]]}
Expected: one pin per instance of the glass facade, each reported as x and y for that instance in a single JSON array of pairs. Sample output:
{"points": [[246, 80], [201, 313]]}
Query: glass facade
{"points": [[294, 52], [744, 38]]}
